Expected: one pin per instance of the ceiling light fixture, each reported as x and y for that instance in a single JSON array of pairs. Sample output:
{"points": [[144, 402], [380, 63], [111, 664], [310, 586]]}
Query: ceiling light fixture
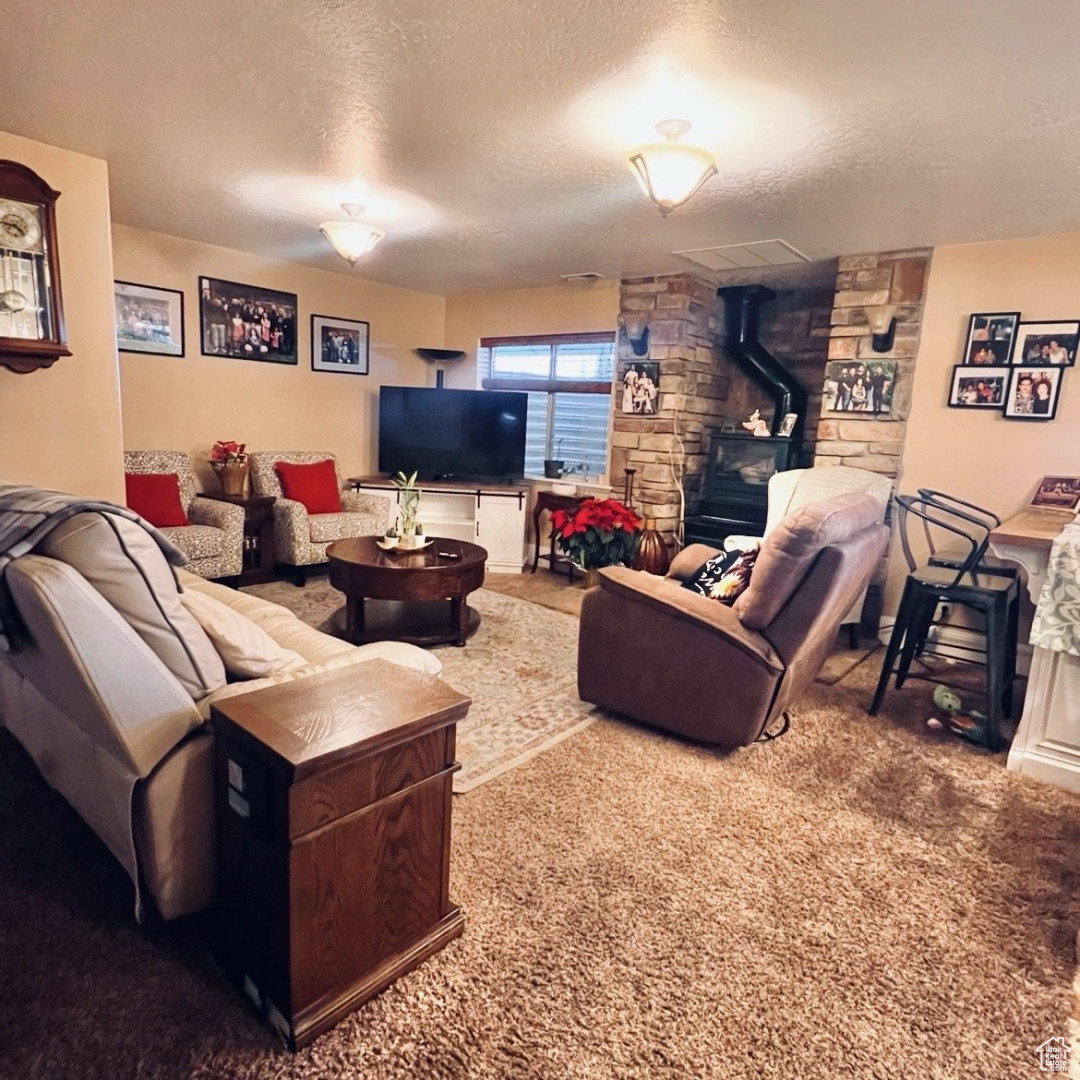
{"points": [[351, 239], [670, 172]]}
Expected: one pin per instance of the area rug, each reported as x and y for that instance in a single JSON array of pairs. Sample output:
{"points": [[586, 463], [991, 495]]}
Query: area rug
{"points": [[520, 669], [861, 898]]}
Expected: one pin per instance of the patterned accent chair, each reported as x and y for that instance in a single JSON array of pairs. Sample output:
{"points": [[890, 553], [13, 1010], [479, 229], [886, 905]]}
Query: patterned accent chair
{"points": [[300, 538], [214, 541]]}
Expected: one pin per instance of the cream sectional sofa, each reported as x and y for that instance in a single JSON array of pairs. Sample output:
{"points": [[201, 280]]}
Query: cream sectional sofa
{"points": [[111, 690]]}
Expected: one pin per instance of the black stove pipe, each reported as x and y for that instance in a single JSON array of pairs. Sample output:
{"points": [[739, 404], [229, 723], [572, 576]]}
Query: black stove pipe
{"points": [[741, 304]]}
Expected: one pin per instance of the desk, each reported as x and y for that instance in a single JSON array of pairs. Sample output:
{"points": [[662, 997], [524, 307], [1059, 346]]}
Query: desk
{"points": [[1047, 743], [548, 500]]}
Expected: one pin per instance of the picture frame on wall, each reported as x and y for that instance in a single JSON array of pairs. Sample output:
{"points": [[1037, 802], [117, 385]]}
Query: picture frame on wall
{"points": [[990, 337], [1046, 344], [1032, 392], [858, 386], [1057, 493], [640, 381], [246, 322], [340, 345], [149, 319], [984, 388]]}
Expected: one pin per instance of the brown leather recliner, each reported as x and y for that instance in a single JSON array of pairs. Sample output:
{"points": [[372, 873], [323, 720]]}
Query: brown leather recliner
{"points": [[678, 660]]}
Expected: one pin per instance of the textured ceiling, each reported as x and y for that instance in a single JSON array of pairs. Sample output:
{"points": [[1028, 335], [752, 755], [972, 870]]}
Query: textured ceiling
{"points": [[489, 137]]}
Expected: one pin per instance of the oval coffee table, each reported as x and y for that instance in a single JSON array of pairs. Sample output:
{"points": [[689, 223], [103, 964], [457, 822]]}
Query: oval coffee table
{"points": [[402, 595]]}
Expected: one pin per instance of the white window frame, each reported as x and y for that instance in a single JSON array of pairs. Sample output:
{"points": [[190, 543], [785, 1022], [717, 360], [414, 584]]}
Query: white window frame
{"points": [[551, 385]]}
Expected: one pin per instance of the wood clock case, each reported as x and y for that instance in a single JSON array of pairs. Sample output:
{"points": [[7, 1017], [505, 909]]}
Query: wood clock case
{"points": [[28, 354]]}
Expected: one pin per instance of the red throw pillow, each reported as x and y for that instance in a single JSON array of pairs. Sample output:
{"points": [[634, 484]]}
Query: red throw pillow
{"points": [[315, 485], [156, 497]]}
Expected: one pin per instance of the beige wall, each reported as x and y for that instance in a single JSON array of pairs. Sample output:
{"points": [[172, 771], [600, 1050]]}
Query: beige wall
{"points": [[61, 425], [186, 403], [978, 454], [588, 307]]}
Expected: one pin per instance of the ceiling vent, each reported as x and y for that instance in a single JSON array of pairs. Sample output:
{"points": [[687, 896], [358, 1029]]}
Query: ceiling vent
{"points": [[588, 275], [745, 256]]}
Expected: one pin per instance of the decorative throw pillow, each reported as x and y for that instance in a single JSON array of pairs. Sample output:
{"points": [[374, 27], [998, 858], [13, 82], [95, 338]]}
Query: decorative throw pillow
{"points": [[246, 649], [156, 497], [314, 485], [723, 577]]}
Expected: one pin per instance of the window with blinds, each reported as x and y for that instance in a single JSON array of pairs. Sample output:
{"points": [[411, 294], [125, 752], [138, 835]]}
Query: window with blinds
{"points": [[568, 380]]}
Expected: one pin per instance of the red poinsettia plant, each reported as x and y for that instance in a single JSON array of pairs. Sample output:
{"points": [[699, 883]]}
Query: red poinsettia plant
{"points": [[228, 453], [600, 532]]}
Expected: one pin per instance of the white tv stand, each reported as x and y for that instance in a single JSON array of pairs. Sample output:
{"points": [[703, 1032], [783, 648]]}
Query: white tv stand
{"points": [[491, 515]]}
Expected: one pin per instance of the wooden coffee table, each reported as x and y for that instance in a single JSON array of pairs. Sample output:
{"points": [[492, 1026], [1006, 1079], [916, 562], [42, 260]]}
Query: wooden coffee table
{"points": [[402, 595]]}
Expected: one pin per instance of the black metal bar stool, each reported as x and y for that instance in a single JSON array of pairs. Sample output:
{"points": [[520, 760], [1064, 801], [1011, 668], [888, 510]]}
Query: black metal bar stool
{"points": [[994, 595]]}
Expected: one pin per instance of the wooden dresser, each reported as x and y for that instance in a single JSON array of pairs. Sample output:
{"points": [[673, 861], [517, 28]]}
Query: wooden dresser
{"points": [[333, 808]]}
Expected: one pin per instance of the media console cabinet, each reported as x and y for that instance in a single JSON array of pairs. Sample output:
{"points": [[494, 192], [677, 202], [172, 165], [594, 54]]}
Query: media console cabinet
{"points": [[491, 515]]}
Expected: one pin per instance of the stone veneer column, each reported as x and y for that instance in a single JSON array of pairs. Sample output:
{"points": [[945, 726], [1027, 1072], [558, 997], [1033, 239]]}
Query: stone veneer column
{"points": [[681, 311], [867, 285]]}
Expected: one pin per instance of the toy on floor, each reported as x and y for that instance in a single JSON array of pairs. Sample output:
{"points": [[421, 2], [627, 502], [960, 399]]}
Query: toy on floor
{"points": [[967, 723]]}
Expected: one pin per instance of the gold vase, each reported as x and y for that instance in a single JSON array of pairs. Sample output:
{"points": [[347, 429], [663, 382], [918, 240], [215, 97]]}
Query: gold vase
{"points": [[233, 476]]}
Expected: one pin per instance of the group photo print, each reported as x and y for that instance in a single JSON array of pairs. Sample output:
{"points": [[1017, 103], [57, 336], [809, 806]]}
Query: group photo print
{"points": [[990, 337], [856, 386], [1032, 393], [641, 387], [1046, 344], [982, 389], [149, 319], [339, 345], [247, 322]]}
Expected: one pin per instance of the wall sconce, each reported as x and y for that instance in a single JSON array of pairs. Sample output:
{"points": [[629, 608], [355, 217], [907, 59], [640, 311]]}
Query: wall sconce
{"points": [[351, 239], [670, 172], [636, 328], [882, 329]]}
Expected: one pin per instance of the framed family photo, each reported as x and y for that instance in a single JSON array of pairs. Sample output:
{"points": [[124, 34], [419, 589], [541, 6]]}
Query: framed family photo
{"points": [[1032, 393], [1057, 493], [1046, 344], [990, 337], [640, 387], [339, 345], [982, 389], [149, 319], [247, 322], [857, 386]]}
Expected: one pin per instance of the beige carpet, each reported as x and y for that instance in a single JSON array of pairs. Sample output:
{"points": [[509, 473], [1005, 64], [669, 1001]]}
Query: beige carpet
{"points": [[861, 898], [520, 669]]}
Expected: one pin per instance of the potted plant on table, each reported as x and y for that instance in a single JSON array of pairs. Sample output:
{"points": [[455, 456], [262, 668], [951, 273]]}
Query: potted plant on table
{"points": [[599, 532], [230, 462], [410, 531]]}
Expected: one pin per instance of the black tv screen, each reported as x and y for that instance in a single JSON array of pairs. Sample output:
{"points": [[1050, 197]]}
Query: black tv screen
{"points": [[452, 434]]}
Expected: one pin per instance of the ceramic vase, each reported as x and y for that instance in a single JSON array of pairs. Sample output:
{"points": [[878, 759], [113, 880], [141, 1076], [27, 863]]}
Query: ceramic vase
{"points": [[652, 553]]}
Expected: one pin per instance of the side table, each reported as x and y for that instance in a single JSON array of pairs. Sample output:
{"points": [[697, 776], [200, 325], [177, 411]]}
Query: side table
{"points": [[332, 795], [258, 534], [548, 500]]}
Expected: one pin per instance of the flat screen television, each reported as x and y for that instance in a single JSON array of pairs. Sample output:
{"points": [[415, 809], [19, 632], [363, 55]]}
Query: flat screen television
{"points": [[452, 434]]}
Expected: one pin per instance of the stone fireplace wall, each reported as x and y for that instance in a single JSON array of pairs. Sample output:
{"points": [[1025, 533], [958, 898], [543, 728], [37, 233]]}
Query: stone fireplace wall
{"points": [[804, 328], [865, 285], [681, 311]]}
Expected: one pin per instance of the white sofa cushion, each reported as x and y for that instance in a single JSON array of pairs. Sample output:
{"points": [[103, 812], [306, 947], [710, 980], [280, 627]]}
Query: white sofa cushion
{"points": [[124, 564], [245, 648]]}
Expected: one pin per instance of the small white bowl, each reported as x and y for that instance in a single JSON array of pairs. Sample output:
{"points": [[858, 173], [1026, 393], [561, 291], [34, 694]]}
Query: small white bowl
{"points": [[564, 489], [388, 543]]}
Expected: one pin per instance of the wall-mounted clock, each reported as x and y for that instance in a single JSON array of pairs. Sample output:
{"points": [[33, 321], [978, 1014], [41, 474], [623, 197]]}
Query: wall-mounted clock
{"points": [[31, 308]]}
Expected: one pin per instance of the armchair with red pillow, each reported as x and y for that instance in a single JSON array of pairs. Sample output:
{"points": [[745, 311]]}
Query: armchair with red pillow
{"points": [[313, 508], [160, 486]]}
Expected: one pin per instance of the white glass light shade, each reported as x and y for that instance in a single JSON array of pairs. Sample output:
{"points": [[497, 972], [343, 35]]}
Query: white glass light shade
{"points": [[352, 239], [670, 172]]}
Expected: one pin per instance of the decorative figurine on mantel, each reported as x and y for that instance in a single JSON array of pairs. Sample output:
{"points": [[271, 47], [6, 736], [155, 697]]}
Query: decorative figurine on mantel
{"points": [[755, 425]]}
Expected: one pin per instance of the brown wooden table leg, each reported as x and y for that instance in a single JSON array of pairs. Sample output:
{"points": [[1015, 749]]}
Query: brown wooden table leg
{"points": [[537, 510], [459, 617], [354, 614]]}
